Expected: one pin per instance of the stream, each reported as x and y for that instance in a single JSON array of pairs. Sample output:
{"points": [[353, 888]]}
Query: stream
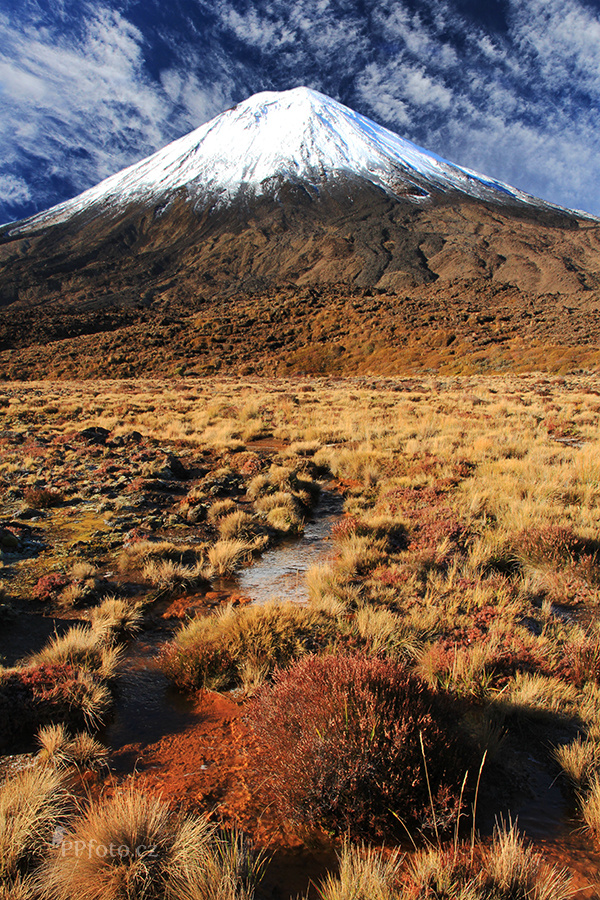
{"points": [[280, 573], [148, 708]]}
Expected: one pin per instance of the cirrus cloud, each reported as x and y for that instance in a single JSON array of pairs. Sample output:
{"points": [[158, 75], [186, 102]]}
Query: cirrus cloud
{"points": [[88, 89]]}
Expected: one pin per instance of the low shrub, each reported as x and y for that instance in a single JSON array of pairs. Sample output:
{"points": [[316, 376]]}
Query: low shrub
{"points": [[555, 544], [42, 498], [43, 694], [352, 741], [48, 587]]}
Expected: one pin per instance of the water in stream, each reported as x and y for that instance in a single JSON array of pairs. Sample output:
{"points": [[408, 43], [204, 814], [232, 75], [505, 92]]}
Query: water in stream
{"points": [[280, 573], [148, 707]]}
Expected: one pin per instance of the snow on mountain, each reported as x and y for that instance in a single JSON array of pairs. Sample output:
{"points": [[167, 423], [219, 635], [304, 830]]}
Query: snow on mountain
{"points": [[298, 135]]}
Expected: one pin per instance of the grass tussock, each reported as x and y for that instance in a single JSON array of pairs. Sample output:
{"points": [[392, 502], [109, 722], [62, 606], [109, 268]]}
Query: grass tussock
{"points": [[60, 750], [226, 555], [116, 616], [82, 647], [32, 805], [364, 874], [223, 650], [161, 856], [508, 870]]}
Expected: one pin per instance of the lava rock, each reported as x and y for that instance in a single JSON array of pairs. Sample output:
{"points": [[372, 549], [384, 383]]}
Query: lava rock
{"points": [[95, 434]]}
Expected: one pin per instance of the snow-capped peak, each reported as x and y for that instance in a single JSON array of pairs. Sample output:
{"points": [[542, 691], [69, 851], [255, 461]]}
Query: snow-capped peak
{"points": [[298, 135]]}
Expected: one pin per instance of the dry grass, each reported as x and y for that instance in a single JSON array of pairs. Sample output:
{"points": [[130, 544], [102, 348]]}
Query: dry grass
{"points": [[508, 870], [61, 750], [478, 500], [82, 647], [168, 575], [31, 807], [589, 803], [116, 616], [237, 524], [159, 856], [244, 645], [364, 874], [226, 555]]}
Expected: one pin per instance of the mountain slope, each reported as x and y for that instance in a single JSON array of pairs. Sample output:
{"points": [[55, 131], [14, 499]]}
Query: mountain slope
{"points": [[298, 136], [282, 194]]}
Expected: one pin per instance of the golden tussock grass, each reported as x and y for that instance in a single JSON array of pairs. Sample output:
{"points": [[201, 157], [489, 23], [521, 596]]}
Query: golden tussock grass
{"points": [[226, 555], [245, 644], [31, 807], [83, 647], [60, 750], [133, 847]]}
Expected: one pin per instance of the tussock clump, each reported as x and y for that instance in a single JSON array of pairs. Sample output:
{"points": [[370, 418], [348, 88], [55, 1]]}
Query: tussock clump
{"points": [[380, 631], [38, 695], [141, 553], [160, 856], [117, 617], [346, 739], [220, 509], [589, 802], [579, 760], [258, 486], [237, 524], [538, 699], [60, 750], [88, 648], [508, 870], [217, 651], [226, 555], [32, 804], [364, 874], [168, 575], [283, 519], [360, 554]]}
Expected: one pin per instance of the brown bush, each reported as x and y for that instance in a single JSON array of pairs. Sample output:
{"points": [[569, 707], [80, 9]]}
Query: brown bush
{"points": [[42, 498], [346, 739]]}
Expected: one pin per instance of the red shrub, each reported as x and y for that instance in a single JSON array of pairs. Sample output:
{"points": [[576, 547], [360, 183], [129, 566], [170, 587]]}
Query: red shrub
{"points": [[342, 739], [49, 586], [39, 695], [344, 528]]}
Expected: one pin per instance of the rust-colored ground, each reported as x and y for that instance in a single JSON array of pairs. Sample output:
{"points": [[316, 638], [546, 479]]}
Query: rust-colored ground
{"points": [[210, 767]]}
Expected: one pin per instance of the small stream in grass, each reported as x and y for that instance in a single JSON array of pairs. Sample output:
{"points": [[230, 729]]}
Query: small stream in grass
{"points": [[280, 573], [149, 708]]}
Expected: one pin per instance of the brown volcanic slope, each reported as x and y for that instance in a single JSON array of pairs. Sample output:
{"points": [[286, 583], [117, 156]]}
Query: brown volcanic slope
{"points": [[350, 282]]}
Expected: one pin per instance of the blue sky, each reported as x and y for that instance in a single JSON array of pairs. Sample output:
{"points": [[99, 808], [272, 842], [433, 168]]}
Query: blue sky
{"points": [[510, 88]]}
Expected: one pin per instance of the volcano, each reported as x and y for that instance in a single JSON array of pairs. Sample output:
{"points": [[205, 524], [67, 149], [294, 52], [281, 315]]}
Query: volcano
{"points": [[292, 195]]}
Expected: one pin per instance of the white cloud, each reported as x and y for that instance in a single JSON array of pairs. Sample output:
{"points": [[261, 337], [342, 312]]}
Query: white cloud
{"points": [[520, 105], [14, 190]]}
